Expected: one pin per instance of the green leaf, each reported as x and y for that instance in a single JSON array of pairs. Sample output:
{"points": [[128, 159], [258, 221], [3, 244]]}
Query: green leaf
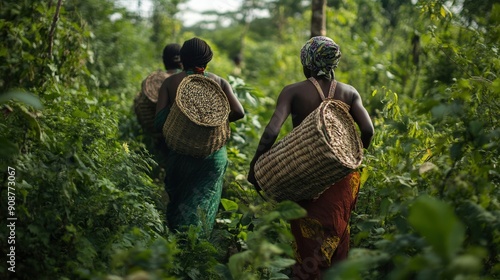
{"points": [[32, 121], [237, 262], [278, 276], [365, 173], [23, 97], [8, 148], [438, 224], [475, 127], [466, 264], [290, 210], [442, 11], [426, 167], [229, 205], [440, 111], [80, 114], [282, 262], [456, 151], [495, 86]]}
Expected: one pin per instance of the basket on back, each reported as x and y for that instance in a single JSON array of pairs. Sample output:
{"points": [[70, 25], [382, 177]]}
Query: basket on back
{"points": [[145, 101], [322, 150], [197, 124]]}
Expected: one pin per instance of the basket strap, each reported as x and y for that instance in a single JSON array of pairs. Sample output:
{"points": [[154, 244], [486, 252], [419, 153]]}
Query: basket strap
{"points": [[331, 92]]}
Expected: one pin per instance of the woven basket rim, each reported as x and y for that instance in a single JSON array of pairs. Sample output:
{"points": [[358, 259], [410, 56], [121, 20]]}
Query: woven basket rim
{"points": [[150, 90], [209, 84], [332, 104]]}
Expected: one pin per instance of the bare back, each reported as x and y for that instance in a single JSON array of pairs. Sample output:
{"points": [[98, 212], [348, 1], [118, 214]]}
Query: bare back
{"points": [[305, 98], [300, 99]]}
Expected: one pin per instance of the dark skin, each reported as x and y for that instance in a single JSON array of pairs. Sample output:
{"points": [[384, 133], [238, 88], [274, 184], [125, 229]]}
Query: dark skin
{"points": [[168, 91], [299, 100]]}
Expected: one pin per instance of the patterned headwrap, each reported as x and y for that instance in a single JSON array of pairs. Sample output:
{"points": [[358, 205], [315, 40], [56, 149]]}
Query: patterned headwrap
{"points": [[321, 55]]}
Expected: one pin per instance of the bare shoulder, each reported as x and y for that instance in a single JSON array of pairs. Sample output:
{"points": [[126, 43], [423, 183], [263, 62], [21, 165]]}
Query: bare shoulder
{"points": [[296, 87], [172, 83], [175, 79], [346, 93], [346, 88]]}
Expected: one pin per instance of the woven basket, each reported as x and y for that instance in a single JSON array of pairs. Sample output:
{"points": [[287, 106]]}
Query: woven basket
{"points": [[197, 124], [319, 152], [145, 101]]}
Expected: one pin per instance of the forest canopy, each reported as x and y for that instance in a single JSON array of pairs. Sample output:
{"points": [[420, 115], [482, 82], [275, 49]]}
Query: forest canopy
{"points": [[83, 197]]}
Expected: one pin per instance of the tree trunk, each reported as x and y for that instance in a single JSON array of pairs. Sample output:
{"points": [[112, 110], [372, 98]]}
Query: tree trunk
{"points": [[318, 18]]}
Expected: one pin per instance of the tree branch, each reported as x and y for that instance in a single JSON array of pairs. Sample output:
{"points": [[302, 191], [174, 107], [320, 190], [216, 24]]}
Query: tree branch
{"points": [[53, 28]]}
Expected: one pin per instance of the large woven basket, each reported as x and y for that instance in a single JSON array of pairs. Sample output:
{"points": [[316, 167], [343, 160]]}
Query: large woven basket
{"points": [[145, 101], [197, 124], [322, 150]]}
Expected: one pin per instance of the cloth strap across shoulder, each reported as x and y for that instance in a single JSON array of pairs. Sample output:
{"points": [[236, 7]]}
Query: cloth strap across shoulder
{"points": [[331, 92]]}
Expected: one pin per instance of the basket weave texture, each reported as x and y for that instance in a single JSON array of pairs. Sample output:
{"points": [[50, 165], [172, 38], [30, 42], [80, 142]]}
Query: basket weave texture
{"points": [[322, 150], [145, 101], [197, 124]]}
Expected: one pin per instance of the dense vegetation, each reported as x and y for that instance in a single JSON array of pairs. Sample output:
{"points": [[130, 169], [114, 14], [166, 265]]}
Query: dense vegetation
{"points": [[88, 200]]}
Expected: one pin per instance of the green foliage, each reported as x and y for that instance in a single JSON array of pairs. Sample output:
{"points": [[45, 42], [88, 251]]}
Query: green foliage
{"points": [[79, 190], [439, 146], [264, 240], [179, 256], [86, 204], [436, 222]]}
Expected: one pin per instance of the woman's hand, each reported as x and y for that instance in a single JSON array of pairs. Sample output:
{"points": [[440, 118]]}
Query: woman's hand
{"points": [[251, 178]]}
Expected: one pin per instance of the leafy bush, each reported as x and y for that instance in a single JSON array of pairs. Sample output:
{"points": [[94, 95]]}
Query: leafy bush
{"points": [[87, 207]]}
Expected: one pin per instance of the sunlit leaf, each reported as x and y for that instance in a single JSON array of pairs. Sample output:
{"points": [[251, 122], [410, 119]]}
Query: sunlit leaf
{"points": [[229, 205], [365, 173], [426, 167], [79, 114], [495, 86], [442, 11]]}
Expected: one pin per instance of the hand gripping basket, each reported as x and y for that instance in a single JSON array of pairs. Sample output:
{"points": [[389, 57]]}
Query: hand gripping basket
{"points": [[319, 152], [198, 124], [145, 101]]}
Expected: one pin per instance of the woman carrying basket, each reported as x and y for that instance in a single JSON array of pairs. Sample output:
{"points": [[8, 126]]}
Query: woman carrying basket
{"points": [[145, 102], [322, 237], [194, 184]]}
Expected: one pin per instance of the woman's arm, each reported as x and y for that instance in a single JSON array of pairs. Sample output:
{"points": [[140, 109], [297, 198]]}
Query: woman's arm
{"points": [[237, 111], [362, 118], [271, 132]]}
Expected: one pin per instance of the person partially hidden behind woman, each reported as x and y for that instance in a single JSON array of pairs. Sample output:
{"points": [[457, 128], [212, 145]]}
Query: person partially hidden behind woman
{"points": [[322, 237], [146, 101], [194, 185]]}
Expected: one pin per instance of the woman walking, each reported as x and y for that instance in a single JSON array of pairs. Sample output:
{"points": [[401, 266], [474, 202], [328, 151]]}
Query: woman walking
{"points": [[322, 237], [194, 184]]}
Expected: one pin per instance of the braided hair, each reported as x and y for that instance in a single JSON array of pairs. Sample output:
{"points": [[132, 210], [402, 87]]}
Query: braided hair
{"points": [[172, 56], [195, 54]]}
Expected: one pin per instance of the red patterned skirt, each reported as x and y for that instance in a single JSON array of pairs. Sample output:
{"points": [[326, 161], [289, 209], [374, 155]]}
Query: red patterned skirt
{"points": [[322, 237]]}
